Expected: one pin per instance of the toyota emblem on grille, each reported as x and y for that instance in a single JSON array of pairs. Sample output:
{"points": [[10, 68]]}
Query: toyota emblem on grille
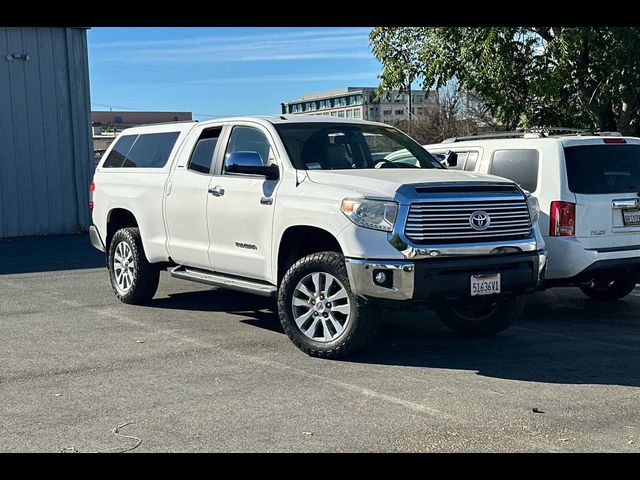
{"points": [[479, 220]]}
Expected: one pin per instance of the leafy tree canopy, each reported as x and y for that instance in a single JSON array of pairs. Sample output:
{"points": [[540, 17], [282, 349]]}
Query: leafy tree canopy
{"points": [[553, 76]]}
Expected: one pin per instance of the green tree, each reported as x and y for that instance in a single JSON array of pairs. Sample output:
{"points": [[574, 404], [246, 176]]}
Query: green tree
{"points": [[575, 77]]}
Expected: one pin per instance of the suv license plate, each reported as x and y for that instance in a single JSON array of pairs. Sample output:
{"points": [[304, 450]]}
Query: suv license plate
{"points": [[485, 284], [631, 216]]}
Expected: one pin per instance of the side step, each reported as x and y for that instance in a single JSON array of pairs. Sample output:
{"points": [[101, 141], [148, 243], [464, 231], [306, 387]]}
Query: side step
{"points": [[225, 281]]}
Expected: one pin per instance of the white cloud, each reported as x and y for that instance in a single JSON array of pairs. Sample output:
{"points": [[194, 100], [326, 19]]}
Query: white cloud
{"points": [[344, 43]]}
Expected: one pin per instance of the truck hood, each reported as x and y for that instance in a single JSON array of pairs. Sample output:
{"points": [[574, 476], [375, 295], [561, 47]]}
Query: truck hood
{"points": [[383, 183]]}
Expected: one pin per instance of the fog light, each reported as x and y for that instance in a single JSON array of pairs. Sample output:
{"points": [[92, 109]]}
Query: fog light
{"points": [[380, 278]]}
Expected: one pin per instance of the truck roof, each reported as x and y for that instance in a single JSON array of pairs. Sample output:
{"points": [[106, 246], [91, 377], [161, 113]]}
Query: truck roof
{"points": [[261, 119]]}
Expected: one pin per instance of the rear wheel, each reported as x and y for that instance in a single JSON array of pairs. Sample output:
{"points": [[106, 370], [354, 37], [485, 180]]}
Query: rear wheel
{"points": [[482, 318], [133, 279], [318, 310], [609, 289]]}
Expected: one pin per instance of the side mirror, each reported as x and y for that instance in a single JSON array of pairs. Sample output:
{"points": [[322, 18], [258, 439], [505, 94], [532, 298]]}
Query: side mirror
{"points": [[451, 159], [250, 163]]}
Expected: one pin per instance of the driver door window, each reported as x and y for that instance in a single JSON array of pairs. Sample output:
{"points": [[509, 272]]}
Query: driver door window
{"points": [[250, 139]]}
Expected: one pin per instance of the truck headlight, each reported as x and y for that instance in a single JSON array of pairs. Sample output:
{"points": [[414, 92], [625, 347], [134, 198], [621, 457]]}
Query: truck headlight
{"points": [[534, 208], [375, 214]]}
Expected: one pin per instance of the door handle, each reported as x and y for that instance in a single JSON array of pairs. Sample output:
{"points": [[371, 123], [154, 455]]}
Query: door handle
{"points": [[216, 191]]}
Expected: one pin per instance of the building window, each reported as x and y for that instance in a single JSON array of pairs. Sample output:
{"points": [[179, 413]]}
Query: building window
{"points": [[349, 113], [386, 112], [356, 113], [420, 110], [341, 113], [400, 111], [334, 114], [117, 119]]}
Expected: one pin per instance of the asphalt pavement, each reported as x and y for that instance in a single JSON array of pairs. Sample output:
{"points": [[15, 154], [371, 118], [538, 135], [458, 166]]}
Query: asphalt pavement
{"points": [[207, 370]]}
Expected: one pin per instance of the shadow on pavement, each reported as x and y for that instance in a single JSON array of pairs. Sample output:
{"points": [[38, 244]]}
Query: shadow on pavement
{"points": [[48, 254], [579, 342], [261, 310]]}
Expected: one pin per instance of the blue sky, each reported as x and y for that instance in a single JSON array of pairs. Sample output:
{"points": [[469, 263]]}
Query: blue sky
{"points": [[223, 71]]}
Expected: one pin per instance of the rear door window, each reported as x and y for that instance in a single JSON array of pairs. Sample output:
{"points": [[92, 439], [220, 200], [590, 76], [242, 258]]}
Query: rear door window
{"points": [[204, 150], [521, 166], [597, 169]]}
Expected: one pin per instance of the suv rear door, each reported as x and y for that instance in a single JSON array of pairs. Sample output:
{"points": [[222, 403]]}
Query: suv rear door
{"points": [[604, 175]]}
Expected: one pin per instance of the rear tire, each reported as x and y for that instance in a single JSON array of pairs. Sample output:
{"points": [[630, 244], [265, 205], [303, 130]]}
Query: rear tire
{"points": [[484, 318], [318, 310], [610, 290], [133, 279]]}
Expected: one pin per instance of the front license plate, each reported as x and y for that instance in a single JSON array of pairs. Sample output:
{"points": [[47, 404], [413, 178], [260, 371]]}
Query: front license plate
{"points": [[485, 284], [631, 216]]}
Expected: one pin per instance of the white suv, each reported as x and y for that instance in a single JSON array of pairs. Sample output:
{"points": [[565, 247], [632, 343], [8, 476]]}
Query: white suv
{"points": [[588, 187]]}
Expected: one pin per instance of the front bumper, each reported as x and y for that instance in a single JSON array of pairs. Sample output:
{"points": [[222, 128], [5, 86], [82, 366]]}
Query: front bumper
{"points": [[440, 279]]}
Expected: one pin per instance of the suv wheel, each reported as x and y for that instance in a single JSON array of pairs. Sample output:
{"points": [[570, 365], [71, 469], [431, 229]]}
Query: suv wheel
{"points": [[482, 318], [133, 279], [318, 310], [609, 289]]}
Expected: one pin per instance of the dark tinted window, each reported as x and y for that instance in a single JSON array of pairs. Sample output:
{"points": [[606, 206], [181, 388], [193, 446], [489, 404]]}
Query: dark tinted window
{"points": [[603, 168], [249, 139], [151, 150], [521, 166], [203, 151], [472, 159], [119, 152]]}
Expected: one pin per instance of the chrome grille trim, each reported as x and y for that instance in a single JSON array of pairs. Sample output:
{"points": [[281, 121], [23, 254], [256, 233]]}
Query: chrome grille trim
{"points": [[447, 220]]}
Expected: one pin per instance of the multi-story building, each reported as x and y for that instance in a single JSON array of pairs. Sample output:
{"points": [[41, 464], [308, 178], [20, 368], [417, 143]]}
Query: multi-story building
{"points": [[361, 102]]}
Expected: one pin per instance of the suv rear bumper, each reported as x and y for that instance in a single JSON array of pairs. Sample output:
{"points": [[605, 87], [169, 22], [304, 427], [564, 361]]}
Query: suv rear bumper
{"points": [[444, 278], [601, 269]]}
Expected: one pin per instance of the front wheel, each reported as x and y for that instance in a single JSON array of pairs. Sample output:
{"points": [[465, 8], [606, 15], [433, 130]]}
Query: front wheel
{"points": [[133, 279], [609, 289], [483, 317], [318, 310]]}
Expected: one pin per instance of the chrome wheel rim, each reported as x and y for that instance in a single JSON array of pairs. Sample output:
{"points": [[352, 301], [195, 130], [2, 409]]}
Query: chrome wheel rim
{"points": [[123, 267], [321, 307]]}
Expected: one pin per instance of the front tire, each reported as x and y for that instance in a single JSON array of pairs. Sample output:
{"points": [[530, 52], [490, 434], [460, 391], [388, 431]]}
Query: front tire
{"points": [[133, 279], [318, 310], [609, 290], [483, 318]]}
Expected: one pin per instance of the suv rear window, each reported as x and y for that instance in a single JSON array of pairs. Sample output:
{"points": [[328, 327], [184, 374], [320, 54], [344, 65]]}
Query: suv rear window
{"points": [[594, 169], [521, 166], [149, 150]]}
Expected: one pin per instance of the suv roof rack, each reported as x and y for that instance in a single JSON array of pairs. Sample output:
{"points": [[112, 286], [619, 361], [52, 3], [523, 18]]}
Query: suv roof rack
{"points": [[533, 132], [494, 135]]}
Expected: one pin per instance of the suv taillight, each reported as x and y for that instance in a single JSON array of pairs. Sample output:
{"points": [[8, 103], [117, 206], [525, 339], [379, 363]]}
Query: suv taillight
{"points": [[562, 219]]}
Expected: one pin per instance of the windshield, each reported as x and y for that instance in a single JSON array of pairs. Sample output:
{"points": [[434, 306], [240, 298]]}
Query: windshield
{"points": [[594, 169], [338, 146]]}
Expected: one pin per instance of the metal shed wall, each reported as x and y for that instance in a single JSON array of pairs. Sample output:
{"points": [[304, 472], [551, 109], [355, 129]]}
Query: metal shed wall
{"points": [[46, 151]]}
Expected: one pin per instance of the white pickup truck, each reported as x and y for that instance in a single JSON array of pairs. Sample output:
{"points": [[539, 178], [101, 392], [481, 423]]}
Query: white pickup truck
{"points": [[332, 217]]}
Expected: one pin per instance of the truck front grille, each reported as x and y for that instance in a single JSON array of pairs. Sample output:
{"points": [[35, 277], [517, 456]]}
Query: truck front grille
{"points": [[449, 221]]}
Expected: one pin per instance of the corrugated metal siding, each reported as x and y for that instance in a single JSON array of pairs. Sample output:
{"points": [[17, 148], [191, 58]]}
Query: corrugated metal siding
{"points": [[46, 150]]}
